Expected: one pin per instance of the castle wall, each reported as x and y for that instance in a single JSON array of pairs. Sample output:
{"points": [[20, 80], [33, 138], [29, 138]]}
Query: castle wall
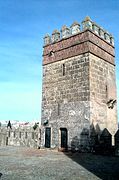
{"points": [[65, 100], [19, 137], [102, 90], [3, 136]]}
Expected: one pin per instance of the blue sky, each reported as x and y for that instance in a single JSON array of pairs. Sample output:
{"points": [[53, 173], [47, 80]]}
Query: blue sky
{"points": [[22, 27]]}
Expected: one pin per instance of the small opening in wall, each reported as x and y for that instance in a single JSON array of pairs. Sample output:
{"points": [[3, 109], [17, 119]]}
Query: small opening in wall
{"points": [[51, 53], [110, 41], [39, 133], [14, 134], [58, 109], [99, 32], [63, 69], [106, 88], [26, 135], [9, 134], [19, 134], [93, 27], [105, 36]]}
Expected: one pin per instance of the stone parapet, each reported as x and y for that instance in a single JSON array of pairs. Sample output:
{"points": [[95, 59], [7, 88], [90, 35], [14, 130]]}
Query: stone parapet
{"points": [[75, 29], [84, 42], [26, 136]]}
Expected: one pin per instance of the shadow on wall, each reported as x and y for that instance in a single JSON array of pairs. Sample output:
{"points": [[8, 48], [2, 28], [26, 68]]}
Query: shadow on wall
{"points": [[82, 144], [98, 157], [1, 175], [95, 141], [101, 141]]}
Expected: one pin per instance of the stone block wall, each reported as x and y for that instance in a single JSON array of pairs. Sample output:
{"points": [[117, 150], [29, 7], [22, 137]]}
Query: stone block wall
{"points": [[3, 137], [83, 42], [79, 85], [65, 98], [19, 137], [102, 90]]}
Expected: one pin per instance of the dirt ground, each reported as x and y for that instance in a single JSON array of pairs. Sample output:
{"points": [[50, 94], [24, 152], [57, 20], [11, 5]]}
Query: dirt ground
{"points": [[21, 163]]}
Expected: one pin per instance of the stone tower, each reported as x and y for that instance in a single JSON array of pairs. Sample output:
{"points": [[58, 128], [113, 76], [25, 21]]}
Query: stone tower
{"points": [[79, 86]]}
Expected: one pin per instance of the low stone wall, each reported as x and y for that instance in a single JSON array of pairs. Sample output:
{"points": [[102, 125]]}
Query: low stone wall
{"points": [[20, 137], [100, 143]]}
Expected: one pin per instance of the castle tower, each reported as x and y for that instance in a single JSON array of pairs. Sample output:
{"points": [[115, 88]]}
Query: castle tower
{"points": [[79, 86]]}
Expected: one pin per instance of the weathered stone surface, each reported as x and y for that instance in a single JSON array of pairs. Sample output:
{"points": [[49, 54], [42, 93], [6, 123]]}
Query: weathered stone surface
{"points": [[102, 88], [87, 24], [83, 42], [79, 89], [66, 98], [19, 137]]}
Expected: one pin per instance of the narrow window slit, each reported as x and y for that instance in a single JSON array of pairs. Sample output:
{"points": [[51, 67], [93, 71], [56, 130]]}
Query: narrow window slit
{"points": [[58, 109], [26, 135], [14, 134], [63, 70], [19, 134], [9, 134], [106, 92]]}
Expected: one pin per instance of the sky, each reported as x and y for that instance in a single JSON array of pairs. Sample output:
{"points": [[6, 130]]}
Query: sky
{"points": [[23, 24]]}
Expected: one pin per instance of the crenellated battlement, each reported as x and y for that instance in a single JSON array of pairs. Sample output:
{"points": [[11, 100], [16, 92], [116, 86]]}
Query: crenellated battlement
{"points": [[19, 136], [87, 24]]}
